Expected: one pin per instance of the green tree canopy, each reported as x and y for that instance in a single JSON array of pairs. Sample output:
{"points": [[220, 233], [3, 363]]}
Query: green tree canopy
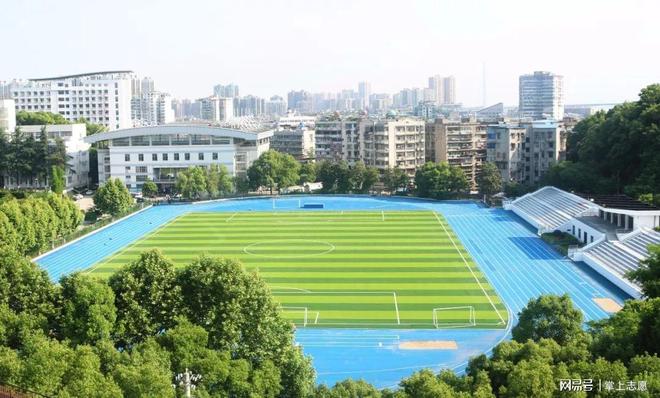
{"points": [[24, 118], [648, 273], [149, 189], [440, 180], [273, 170], [307, 173], [236, 307], [191, 183], [618, 150], [113, 197], [147, 297], [549, 316], [88, 309], [489, 180], [394, 179]]}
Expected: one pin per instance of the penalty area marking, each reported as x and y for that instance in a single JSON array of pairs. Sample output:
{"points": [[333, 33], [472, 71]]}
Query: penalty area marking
{"points": [[232, 216], [469, 268], [294, 290]]}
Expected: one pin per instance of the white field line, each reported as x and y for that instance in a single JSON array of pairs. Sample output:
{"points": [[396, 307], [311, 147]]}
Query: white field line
{"points": [[382, 213], [396, 306], [232, 216], [118, 252], [469, 268], [316, 320]]}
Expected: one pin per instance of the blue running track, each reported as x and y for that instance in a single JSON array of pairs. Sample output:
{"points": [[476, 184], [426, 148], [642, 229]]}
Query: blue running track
{"points": [[518, 264]]}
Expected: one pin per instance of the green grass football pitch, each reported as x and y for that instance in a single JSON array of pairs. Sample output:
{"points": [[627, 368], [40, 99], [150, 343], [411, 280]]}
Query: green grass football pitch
{"points": [[370, 269]]}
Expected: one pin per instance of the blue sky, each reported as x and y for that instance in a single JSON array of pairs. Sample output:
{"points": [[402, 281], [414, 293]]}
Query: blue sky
{"points": [[607, 50]]}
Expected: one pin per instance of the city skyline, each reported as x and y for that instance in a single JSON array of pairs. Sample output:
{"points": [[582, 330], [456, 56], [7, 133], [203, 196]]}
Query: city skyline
{"points": [[290, 46]]}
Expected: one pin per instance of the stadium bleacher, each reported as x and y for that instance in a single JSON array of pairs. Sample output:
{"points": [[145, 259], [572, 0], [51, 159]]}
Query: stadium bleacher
{"points": [[639, 242], [550, 207]]}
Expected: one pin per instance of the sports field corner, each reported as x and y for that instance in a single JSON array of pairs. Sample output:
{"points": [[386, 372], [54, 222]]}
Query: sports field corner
{"points": [[377, 287]]}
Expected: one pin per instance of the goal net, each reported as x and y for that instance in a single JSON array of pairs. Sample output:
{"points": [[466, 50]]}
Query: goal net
{"points": [[286, 203], [454, 317], [298, 315]]}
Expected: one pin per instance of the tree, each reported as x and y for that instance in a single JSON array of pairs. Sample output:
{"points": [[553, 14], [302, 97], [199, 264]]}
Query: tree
{"points": [[145, 372], [88, 309], [235, 307], [40, 161], [362, 178], [620, 149], [440, 180], [307, 173], [149, 189], [242, 184], [58, 181], [24, 118], [83, 377], [113, 197], [631, 331], [147, 297], [5, 148], [24, 287], [273, 170], [548, 316], [191, 183], [218, 181], [648, 274], [395, 178], [92, 128], [489, 180]]}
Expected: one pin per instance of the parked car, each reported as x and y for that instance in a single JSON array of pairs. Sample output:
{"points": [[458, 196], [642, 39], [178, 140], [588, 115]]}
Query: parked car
{"points": [[77, 197]]}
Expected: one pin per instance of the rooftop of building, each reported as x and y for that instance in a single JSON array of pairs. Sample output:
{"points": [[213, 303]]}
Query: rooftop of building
{"points": [[226, 130], [598, 224], [618, 201], [90, 74]]}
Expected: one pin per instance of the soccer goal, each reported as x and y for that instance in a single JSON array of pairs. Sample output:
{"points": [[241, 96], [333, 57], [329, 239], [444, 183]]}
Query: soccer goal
{"points": [[298, 315], [286, 203], [454, 317]]}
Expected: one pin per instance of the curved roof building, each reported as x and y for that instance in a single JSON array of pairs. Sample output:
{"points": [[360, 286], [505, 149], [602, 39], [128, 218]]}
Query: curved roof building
{"points": [[159, 153]]}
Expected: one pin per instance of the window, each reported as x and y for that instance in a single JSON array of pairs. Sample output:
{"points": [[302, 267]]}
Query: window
{"points": [[200, 156], [165, 157], [140, 157], [215, 155], [176, 156], [186, 156], [128, 169], [140, 141], [154, 157], [141, 169], [127, 157]]}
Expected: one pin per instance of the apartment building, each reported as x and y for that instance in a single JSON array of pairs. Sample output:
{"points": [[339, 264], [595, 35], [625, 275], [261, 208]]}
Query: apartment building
{"points": [[392, 142], [524, 152], [461, 143], [100, 97], [541, 96], [337, 138], [216, 109], [152, 108]]}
